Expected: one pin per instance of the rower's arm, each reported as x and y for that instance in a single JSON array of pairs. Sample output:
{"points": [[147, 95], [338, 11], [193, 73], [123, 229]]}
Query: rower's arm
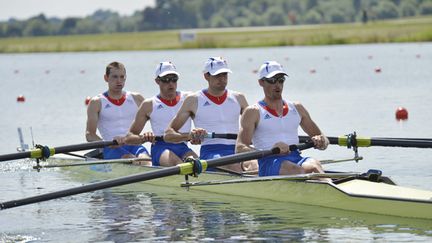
{"points": [[248, 122], [93, 110], [141, 118], [187, 110], [311, 128], [241, 98]]}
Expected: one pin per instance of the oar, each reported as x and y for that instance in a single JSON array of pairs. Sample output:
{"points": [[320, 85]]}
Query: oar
{"points": [[222, 135], [180, 169], [98, 162], [45, 152], [409, 139], [370, 141]]}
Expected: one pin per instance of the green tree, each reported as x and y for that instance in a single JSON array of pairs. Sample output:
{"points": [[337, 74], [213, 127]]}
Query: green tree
{"points": [[68, 25], [408, 8], [386, 10], [219, 21], [36, 27], [275, 16], [426, 7], [14, 29], [312, 17]]}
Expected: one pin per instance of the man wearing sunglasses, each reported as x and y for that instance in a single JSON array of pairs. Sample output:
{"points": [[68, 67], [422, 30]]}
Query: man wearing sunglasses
{"points": [[214, 109], [112, 113], [274, 122], [160, 110]]}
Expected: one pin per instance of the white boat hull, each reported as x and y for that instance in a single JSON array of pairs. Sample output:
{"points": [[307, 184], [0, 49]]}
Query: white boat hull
{"points": [[352, 194]]}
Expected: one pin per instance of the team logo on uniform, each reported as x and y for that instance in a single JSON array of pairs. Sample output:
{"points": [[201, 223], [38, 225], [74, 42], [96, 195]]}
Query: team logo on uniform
{"points": [[160, 107], [206, 103], [267, 116], [107, 106]]}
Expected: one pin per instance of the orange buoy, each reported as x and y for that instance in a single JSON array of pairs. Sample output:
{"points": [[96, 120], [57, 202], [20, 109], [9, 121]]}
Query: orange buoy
{"points": [[20, 98], [401, 113], [87, 100]]}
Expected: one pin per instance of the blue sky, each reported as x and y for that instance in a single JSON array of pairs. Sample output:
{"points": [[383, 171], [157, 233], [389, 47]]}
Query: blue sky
{"points": [[23, 9]]}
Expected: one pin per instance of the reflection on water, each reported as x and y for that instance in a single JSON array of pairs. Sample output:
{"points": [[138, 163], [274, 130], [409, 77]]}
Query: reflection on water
{"points": [[143, 212], [157, 213]]}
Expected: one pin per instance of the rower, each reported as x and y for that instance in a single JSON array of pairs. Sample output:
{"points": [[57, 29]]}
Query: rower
{"points": [[274, 122], [215, 109], [160, 110], [112, 113]]}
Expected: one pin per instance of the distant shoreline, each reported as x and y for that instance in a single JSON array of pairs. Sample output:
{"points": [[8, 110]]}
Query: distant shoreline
{"points": [[392, 31]]}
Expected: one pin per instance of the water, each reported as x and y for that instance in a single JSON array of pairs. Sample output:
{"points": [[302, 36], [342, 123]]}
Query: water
{"points": [[337, 84]]}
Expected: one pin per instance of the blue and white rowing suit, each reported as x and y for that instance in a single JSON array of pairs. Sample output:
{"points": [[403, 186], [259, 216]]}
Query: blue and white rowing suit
{"points": [[271, 129], [162, 113], [115, 120], [218, 116]]}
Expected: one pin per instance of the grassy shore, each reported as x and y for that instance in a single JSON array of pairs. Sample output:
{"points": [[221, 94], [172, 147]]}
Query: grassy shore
{"points": [[401, 30]]}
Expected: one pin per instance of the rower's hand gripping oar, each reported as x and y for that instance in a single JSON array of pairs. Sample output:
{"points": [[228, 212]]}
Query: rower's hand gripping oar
{"points": [[180, 169], [43, 152]]}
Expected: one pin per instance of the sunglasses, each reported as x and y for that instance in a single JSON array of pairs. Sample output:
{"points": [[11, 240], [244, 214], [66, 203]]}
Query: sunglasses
{"points": [[274, 80], [168, 79]]}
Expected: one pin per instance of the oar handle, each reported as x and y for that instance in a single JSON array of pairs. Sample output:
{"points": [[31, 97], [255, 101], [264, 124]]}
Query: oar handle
{"points": [[221, 135], [302, 146]]}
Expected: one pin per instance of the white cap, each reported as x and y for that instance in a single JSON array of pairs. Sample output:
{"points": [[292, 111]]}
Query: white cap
{"points": [[216, 65], [270, 69], [165, 68]]}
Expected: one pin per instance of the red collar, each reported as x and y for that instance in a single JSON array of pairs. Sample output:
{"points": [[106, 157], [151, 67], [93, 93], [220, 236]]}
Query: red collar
{"points": [[117, 102], [172, 102], [272, 111], [216, 99]]}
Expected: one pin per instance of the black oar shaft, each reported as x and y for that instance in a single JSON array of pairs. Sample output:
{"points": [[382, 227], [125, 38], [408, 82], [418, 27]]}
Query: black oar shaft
{"points": [[387, 142], [93, 187], [182, 169], [400, 143], [36, 153]]}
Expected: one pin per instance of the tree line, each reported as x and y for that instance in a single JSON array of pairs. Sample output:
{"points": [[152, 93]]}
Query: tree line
{"points": [[185, 14]]}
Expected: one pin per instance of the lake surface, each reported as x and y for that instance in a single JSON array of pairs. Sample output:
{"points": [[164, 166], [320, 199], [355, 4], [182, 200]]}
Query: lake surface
{"points": [[341, 86]]}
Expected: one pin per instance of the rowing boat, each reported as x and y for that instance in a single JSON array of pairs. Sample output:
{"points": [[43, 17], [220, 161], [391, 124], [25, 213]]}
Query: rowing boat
{"points": [[361, 192], [368, 192]]}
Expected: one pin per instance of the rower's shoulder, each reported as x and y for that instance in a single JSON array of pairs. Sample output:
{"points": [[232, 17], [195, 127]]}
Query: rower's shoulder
{"points": [[297, 104], [252, 108], [236, 93], [186, 93], [137, 97]]}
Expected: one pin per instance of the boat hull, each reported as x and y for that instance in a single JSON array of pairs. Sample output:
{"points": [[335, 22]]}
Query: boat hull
{"points": [[352, 194]]}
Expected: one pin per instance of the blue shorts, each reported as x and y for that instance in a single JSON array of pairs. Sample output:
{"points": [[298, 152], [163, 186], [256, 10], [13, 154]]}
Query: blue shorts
{"points": [[117, 153], [270, 165], [214, 151], [179, 149]]}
